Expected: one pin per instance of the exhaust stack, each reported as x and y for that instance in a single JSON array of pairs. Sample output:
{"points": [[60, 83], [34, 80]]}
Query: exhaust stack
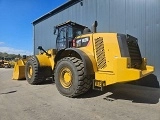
{"points": [[94, 27]]}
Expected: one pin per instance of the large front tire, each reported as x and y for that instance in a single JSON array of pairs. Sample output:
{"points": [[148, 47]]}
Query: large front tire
{"points": [[34, 73], [69, 77]]}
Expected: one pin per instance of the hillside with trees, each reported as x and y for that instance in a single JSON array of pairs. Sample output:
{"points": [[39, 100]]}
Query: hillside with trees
{"points": [[11, 56]]}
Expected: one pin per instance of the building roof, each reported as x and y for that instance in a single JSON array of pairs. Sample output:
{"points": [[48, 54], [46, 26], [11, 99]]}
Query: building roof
{"points": [[57, 10]]}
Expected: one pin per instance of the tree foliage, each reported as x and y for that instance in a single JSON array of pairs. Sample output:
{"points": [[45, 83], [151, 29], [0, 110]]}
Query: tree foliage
{"points": [[11, 56]]}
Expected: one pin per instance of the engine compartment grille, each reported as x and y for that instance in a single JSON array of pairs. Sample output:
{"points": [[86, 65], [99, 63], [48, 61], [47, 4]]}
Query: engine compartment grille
{"points": [[100, 53]]}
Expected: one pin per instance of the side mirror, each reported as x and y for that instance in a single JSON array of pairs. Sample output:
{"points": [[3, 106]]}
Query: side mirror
{"points": [[39, 47]]}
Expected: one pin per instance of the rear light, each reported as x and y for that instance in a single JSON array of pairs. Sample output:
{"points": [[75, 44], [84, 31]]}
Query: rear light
{"points": [[74, 43]]}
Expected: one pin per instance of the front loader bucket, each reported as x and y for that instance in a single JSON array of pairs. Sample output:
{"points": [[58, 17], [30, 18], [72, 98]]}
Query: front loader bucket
{"points": [[19, 70]]}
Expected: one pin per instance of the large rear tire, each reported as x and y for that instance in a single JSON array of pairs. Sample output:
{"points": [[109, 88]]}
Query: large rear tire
{"points": [[34, 73], [70, 78]]}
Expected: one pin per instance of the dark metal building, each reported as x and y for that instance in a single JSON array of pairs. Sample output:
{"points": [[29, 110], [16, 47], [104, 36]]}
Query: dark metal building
{"points": [[140, 18]]}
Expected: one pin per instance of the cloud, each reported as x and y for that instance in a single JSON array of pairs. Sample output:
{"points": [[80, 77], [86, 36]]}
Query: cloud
{"points": [[1, 43], [14, 51]]}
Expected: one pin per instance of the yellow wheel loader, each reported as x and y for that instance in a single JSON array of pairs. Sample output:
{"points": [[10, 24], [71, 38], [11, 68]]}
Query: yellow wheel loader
{"points": [[1, 63], [6, 62], [83, 59]]}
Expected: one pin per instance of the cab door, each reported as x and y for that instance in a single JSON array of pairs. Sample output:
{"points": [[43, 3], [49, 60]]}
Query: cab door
{"points": [[62, 38]]}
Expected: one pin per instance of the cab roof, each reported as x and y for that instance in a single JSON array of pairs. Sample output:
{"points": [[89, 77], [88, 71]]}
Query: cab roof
{"points": [[70, 23]]}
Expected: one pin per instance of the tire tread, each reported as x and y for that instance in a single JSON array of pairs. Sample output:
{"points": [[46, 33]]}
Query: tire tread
{"points": [[84, 83]]}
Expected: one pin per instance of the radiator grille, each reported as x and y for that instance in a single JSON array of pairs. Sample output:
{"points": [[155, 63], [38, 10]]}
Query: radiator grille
{"points": [[134, 51], [100, 53]]}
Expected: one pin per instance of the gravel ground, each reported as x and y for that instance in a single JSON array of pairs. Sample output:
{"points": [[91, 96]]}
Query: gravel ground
{"points": [[21, 101]]}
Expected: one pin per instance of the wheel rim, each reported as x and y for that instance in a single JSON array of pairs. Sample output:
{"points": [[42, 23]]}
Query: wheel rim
{"points": [[30, 71], [66, 77]]}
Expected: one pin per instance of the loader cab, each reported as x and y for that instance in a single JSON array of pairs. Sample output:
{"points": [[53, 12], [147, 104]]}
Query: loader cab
{"points": [[66, 33]]}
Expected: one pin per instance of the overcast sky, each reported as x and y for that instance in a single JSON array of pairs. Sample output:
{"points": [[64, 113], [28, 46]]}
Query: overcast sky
{"points": [[16, 16]]}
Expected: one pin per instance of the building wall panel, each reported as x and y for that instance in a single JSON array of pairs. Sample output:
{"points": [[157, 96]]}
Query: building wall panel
{"points": [[103, 19], [117, 16], [153, 34], [135, 21]]}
